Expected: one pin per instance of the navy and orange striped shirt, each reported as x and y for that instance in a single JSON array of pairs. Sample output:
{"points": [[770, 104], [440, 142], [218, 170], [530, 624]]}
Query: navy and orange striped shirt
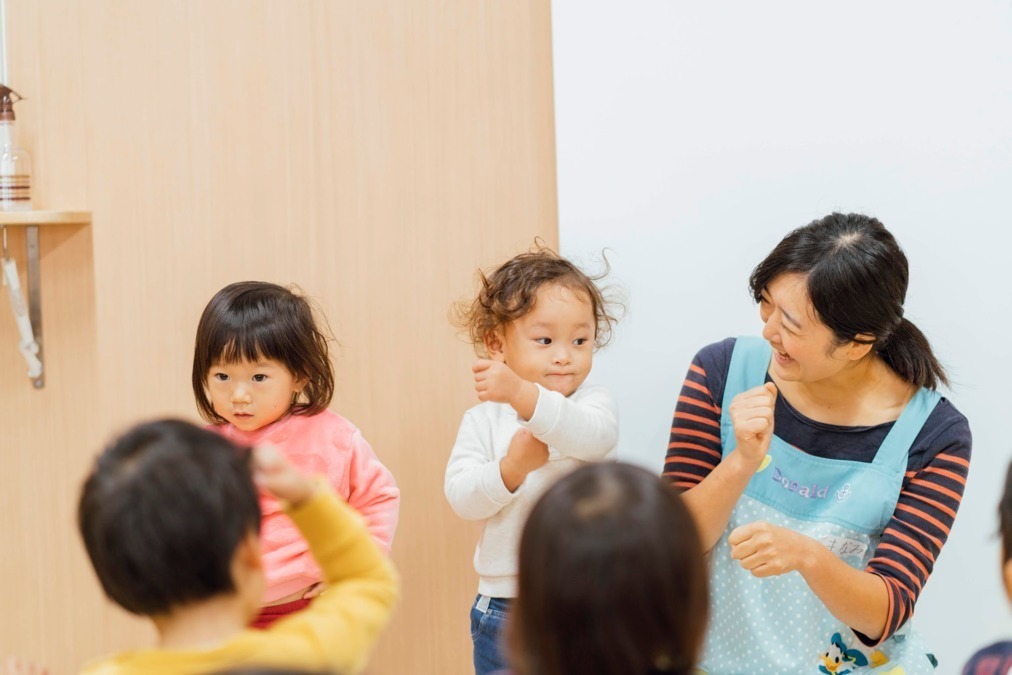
{"points": [[932, 489]]}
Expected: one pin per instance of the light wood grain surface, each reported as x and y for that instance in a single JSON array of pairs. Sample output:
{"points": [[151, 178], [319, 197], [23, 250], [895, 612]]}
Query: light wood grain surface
{"points": [[374, 153]]}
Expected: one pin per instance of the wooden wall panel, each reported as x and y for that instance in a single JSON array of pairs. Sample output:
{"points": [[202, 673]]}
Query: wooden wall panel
{"points": [[375, 153]]}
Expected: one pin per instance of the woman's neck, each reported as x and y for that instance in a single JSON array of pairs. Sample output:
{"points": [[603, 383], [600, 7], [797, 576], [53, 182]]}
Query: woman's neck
{"points": [[865, 394]]}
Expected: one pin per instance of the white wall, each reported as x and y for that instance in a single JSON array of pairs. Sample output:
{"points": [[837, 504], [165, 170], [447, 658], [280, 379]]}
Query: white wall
{"points": [[693, 136]]}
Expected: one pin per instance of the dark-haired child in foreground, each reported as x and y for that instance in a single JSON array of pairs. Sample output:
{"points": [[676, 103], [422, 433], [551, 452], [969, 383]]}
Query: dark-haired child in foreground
{"points": [[612, 579], [170, 519], [997, 659]]}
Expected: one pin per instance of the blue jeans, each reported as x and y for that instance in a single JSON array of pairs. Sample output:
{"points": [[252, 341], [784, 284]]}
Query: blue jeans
{"points": [[488, 619]]}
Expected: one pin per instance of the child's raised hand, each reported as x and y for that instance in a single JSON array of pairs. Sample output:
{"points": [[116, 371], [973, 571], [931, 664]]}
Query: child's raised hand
{"points": [[275, 474], [495, 381], [525, 454], [314, 590]]}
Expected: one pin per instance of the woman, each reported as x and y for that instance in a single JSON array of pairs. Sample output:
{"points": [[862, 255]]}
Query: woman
{"points": [[822, 449]]}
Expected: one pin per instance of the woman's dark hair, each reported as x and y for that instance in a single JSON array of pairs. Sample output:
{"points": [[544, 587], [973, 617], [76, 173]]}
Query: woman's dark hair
{"points": [[611, 578], [857, 282], [1005, 518], [163, 512], [511, 290], [252, 320]]}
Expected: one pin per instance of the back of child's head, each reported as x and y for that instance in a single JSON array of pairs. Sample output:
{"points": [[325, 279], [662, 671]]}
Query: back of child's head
{"points": [[254, 320], [163, 512], [511, 290], [611, 578]]}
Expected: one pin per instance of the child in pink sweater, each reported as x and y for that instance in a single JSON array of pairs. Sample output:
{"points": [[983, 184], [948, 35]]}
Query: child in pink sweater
{"points": [[262, 375]]}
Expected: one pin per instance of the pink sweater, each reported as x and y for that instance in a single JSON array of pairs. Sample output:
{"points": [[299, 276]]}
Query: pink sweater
{"points": [[329, 445]]}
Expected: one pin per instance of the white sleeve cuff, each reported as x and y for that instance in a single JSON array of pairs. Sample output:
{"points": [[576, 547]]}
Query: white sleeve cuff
{"points": [[546, 412], [493, 486]]}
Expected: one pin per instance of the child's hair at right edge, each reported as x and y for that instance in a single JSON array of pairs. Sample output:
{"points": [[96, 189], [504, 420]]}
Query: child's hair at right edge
{"points": [[611, 578], [162, 513], [1005, 518], [251, 320], [511, 290]]}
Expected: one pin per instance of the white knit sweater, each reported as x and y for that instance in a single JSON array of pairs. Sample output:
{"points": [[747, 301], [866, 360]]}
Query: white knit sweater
{"points": [[577, 429]]}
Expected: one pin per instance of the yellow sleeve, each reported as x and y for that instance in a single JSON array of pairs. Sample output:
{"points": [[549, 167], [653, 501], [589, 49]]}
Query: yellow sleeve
{"points": [[336, 632], [340, 627]]}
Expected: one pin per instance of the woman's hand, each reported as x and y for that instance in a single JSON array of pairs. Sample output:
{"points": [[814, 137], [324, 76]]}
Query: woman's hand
{"points": [[768, 551], [857, 598], [752, 417]]}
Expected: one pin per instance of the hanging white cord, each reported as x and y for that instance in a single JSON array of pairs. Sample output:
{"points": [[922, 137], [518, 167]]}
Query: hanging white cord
{"points": [[28, 346]]}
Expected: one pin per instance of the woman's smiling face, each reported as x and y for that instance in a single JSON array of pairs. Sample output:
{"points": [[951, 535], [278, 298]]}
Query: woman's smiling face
{"points": [[804, 348]]}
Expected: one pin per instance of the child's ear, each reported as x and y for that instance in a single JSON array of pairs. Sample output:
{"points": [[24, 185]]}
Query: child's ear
{"points": [[248, 552], [494, 346], [247, 570], [299, 383]]}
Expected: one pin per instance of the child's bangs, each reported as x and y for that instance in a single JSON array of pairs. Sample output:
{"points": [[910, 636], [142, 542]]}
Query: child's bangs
{"points": [[251, 345]]}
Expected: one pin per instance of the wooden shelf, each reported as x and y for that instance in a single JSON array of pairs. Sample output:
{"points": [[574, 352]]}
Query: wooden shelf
{"points": [[15, 218], [31, 220]]}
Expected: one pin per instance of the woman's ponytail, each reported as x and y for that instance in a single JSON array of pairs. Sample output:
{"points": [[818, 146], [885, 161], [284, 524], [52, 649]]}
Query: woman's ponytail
{"points": [[908, 352]]}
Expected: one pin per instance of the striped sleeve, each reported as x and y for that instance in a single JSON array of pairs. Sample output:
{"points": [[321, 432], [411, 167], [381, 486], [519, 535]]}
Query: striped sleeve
{"points": [[920, 525], [694, 448]]}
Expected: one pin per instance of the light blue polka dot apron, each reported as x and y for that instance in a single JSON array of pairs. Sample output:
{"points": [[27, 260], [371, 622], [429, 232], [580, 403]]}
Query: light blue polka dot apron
{"points": [[777, 625]]}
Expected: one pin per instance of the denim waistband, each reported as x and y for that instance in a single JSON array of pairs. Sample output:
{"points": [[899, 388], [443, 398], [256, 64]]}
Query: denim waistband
{"points": [[483, 602]]}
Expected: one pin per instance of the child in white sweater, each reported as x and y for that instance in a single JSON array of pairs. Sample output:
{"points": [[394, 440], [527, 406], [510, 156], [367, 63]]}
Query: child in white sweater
{"points": [[536, 324]]}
